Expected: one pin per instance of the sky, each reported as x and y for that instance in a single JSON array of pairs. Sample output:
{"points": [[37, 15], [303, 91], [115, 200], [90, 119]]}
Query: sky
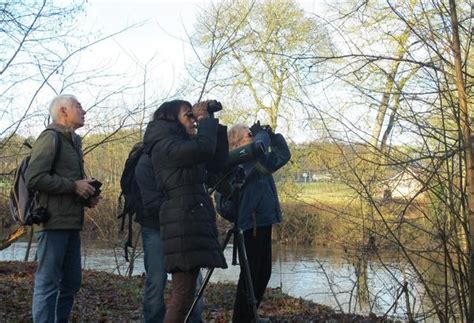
{"points": [[162, 27], [165, 23], [158, 32], [159, 42], [162, 34]]}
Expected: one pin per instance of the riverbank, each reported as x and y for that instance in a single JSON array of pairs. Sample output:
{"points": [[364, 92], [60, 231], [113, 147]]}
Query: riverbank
{"points": [[106, 297]]}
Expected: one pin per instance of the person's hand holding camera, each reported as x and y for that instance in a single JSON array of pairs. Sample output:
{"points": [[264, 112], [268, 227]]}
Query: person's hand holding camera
{"points": [[200, 110], [94, 201], [83, 188], [89, 197]]}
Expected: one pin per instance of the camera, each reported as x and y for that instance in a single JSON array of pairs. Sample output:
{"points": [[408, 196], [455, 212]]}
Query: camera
{"points": [[88, 202], [39, 215]]}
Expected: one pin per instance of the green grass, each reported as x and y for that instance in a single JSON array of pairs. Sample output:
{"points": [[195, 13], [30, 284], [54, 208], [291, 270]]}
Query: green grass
{"points": [[325, 192]]}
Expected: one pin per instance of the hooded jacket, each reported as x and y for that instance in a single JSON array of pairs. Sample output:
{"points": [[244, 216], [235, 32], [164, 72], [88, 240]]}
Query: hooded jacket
{"points": [[187, 216]]}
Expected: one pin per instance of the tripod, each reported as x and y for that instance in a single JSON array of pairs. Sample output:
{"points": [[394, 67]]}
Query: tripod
{"points": [[238, 249]]}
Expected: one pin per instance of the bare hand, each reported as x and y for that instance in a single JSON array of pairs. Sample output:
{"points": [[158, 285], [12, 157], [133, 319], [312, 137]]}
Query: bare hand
{"points": [[200, 110], [83, 188], [95, 200]]}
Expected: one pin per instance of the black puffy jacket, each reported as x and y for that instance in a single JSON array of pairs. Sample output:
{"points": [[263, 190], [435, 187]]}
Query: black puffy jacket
{"points": [[187, 217], [150, 192]]}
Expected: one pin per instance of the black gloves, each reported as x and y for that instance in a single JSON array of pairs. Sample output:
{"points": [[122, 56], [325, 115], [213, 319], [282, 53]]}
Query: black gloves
{"points": [[269, 130], [256, 128]]}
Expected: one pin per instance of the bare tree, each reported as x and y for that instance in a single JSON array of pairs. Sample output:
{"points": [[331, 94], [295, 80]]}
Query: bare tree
{"points": [[255, 42], [423, 82]]}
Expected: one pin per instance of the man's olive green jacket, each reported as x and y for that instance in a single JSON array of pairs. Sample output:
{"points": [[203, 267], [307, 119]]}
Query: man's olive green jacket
{"points": [[57, 189]]}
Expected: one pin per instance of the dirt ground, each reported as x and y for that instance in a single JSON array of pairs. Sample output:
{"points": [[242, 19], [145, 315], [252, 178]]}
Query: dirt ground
{"points": [[106, 297]]}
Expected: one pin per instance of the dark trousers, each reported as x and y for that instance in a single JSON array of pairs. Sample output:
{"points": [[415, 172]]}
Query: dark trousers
{"points": [[259, 254], [183, 285]]}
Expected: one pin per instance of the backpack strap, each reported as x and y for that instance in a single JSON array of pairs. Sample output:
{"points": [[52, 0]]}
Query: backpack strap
{"points": [[57, 146]]}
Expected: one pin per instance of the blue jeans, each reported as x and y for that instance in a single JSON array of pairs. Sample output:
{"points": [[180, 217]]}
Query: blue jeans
{"points": [[154, 307], [58, 276]]}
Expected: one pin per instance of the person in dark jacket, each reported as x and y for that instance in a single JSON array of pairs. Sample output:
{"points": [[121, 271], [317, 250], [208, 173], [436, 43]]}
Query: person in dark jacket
{"points": [[259, 209], [181, 161], [153, 196], [58, 274]]}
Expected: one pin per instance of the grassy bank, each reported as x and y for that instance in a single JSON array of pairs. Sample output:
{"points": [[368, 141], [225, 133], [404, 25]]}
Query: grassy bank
{"points": [[327, 193], [110, 298], [331, 214], [314, 214]]}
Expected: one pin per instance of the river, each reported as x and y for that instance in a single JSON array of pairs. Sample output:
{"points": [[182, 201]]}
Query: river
{"points": [[318, 274]]}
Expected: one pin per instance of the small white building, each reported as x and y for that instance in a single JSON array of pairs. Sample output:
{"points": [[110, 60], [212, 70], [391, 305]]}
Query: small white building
{"points": [[403, 186]]}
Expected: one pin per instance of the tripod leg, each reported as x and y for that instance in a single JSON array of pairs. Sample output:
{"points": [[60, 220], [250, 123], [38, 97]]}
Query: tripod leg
{"points": [[245, 269], [207, 277]]}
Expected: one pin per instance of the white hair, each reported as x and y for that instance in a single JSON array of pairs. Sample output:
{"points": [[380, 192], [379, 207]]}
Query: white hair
{"points": [[236, 134], [62, 100]]}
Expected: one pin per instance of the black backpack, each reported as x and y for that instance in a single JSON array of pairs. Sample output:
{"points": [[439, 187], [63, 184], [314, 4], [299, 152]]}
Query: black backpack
{"points": [[130, 200], [23, 203]]}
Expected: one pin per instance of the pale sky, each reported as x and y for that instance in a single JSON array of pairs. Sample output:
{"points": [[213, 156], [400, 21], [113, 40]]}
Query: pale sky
{"points": [[161, 36]]}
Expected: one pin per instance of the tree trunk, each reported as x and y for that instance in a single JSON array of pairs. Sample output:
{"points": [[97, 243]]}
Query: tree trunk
{"points": [[395, 106], [466, 132], [388, 88]]}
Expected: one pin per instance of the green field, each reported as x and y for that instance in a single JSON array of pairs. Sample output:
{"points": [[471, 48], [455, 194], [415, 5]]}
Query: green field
{"points": [[325, 192]]}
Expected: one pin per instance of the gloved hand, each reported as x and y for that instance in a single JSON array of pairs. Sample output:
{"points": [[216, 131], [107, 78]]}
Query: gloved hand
{"points": [[256, 128], [269, 130]]}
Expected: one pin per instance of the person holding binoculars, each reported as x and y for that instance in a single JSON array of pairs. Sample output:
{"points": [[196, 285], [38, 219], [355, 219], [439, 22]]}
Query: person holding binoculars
{"points": [[258, 208], [185, 143]]}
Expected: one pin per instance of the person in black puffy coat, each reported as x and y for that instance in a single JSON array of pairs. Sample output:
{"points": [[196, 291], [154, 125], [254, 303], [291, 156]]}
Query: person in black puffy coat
{"points": [[182, 159]]}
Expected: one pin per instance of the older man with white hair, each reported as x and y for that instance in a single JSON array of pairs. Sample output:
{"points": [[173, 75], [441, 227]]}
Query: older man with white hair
{"points": [[56, 171]]}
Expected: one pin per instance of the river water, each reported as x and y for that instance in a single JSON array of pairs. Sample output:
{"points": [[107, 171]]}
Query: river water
{"points": [[318, 274]]}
